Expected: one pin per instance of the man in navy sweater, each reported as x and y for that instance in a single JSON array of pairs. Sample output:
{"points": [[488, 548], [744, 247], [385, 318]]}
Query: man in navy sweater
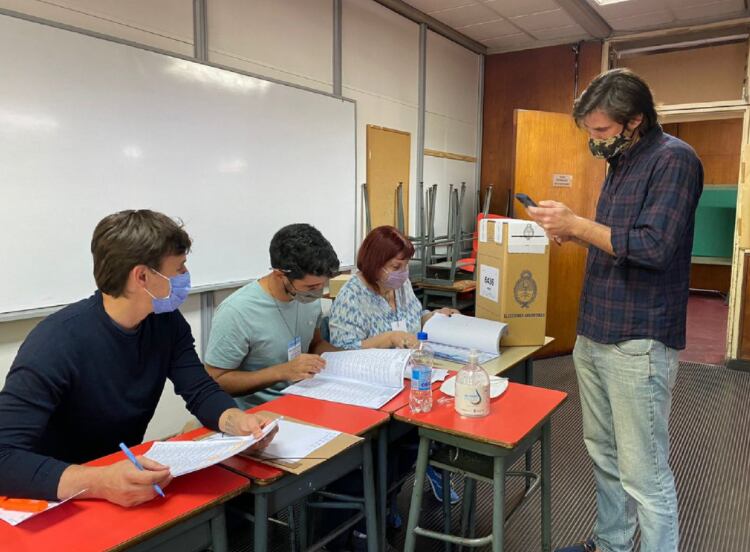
{"points": [[90, 376]]}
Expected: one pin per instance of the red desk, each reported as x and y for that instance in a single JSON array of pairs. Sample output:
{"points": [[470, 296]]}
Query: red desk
{"points": [[191, 515], [484, 449], [275, 490]]}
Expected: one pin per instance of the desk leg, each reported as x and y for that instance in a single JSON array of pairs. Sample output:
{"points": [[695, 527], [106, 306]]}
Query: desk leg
{"points": [[219, 532], [371, 515], [498, 504], [304, 529], [528, 367], [383, 482], [416, 496], [546, 489], [260, 533], [446, 506], [467, 508]]}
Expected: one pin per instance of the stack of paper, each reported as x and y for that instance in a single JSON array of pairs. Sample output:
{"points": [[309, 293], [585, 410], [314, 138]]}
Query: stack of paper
{"points": [[452, 337], [188, 456], [368, 378], [296, 441]]}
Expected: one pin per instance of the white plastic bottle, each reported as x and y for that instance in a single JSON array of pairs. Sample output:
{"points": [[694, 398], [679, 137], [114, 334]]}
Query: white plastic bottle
{"points": [[420, 362], [472, 389]]}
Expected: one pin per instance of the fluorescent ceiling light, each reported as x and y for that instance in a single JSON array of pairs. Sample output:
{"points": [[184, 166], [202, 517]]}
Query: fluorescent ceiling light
{"points": [[606, 2]]}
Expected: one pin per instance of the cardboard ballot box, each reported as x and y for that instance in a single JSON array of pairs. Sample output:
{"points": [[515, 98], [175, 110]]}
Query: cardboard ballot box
{"points": [[512, 274]]}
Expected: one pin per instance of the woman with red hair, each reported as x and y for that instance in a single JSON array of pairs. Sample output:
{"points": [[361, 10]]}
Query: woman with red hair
{"points": [[377, 308]]}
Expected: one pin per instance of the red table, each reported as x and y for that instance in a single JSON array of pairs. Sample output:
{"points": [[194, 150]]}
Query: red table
{"points": [[193, 511], [484, 449], [273, 491]]}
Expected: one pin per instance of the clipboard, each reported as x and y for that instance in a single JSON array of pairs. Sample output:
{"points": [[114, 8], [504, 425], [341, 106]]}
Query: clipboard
{"points": [[337, 445]]}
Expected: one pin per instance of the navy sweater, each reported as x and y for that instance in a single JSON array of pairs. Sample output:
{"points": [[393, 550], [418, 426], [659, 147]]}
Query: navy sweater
{"points": [[80, 385]]}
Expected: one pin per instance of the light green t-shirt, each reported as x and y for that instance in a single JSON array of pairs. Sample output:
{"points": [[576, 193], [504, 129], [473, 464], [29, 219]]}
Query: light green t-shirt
{"points": [[252, 330]]}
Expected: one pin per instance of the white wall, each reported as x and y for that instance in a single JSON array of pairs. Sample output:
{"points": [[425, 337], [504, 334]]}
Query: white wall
{"points": [[291, 40], [380, 66], [452, 101]]}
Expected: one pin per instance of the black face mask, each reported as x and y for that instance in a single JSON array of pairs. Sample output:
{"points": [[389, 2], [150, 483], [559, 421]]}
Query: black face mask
{"points": [[609, 147]]}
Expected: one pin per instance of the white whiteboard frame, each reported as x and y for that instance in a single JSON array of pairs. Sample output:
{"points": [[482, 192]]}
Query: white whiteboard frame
{"points": [[9, 316]]}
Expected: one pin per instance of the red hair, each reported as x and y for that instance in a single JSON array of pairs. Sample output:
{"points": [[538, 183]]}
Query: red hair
{"points": [[380, 246]]}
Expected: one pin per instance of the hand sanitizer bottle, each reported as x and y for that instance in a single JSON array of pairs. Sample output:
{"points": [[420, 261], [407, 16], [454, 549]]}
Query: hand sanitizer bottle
{"points": [[472, 389]]}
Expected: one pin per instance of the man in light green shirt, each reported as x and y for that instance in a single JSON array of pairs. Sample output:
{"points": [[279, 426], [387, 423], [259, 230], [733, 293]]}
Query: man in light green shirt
{"points": [[266, 335]]}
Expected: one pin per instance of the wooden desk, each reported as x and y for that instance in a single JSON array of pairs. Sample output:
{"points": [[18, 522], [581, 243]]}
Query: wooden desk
{"points": [[191, 517], [485, 447], [274, 489]]}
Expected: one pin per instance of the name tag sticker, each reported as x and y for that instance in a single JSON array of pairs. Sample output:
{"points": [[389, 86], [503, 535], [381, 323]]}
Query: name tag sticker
{"points": [[294, 348], [399, 326]]}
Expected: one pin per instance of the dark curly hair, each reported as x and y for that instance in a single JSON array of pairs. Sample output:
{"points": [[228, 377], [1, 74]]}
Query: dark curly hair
{"points": [[300, 250]]}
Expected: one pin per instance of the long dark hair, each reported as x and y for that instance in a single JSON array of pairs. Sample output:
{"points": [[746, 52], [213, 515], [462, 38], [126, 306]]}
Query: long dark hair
{"points": [[622, 95]]}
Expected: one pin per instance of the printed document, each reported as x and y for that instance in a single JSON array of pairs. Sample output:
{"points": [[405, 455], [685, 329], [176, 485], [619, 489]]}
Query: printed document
{"points": [[14, 517], [452, 337], [295, 441], [368, 378], [188, 456]]}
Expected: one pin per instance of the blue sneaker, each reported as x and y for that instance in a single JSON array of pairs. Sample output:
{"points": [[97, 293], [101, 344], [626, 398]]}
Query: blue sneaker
{"points": [[588, 546], [436, 484]]}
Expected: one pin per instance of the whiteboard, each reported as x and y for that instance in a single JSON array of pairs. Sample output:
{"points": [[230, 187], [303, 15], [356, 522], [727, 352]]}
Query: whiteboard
{"points": [[89, 127]]}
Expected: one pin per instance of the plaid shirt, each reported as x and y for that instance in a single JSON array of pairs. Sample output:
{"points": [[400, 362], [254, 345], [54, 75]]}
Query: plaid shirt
{"points": [[648, 200]]}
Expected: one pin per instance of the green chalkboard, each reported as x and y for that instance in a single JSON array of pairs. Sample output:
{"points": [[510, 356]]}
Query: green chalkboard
{"points": [[714, 222]]}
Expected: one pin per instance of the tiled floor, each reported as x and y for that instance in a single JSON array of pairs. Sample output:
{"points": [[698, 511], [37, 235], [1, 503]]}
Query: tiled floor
{"points": [[706, 329]]}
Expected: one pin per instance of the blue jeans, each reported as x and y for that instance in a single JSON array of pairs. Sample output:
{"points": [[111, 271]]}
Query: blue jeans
{"points": [[626, 394]]}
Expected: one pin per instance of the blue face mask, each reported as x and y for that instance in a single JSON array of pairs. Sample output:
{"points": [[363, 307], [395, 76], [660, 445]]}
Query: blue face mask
{"points": [[179, 287]]}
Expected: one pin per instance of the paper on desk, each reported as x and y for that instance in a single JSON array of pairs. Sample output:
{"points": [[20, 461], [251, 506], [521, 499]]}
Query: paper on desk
{"points": [[498, 385], [466, 332], [459, 354], [368, 378], [296, 441], [188, 456], [14, 517]]}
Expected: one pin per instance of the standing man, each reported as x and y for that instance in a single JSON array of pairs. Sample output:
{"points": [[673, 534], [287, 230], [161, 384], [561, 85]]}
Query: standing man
{"points": [[91, 375], [632, 309], [267, 333]]}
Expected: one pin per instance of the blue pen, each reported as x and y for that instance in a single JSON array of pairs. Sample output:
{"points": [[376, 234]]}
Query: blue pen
{"points": [[137, 464]]}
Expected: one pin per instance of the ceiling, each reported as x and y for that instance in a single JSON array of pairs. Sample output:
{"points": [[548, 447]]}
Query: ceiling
{"points": [[506, 25]]}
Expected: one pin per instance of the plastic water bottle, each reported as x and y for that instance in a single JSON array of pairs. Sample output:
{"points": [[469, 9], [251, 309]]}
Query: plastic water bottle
{"points": [[472, 389], [420, 362]]}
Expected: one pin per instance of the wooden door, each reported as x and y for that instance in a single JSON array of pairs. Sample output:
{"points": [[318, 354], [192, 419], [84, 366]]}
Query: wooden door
{"points": [[388, 157], [552, 161]]}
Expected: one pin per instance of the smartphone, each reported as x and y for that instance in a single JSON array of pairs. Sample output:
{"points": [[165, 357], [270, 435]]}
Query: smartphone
{"points": [[526, 200]]}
